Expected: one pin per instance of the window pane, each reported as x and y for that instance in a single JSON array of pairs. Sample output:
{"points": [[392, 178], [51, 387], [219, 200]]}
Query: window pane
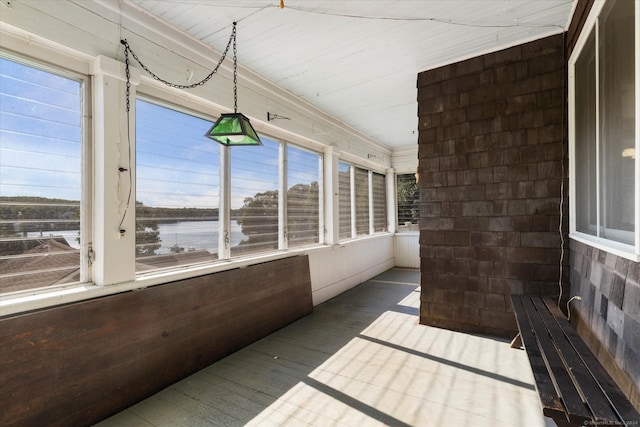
{"points": [[362, 201], [408, 201], [617, 121], [254, 196], [585, 128], [379, 202], [40, 177], [303, 212], [177, 186], [344, 199]]}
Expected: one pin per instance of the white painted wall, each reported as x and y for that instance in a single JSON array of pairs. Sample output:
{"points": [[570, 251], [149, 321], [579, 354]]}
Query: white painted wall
{"points": [[338, 268], [405, 160], [406, 244], [407, 249]]}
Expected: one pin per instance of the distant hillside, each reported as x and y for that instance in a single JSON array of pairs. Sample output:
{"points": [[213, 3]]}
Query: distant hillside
{"points": [[22, 214], [27, 214], [168, 215]]}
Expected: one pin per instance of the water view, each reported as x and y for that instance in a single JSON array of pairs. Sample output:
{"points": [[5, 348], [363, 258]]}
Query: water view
{"points": [[188, 235], [191, 235]]}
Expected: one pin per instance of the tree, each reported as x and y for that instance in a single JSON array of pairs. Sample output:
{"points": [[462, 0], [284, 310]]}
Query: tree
{"points": [[302, 213], [259, 217], [24, 214], [147, 231], [408, 199]]}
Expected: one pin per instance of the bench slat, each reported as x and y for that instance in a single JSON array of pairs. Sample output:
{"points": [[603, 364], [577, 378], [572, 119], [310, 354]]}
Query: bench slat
{"points": [[586, 384], [622, 406], [573, 404], [551, 405]]}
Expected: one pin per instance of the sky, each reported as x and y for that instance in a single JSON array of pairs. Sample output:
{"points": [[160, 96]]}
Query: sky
{"points": [[40, 133], [177, 166]]}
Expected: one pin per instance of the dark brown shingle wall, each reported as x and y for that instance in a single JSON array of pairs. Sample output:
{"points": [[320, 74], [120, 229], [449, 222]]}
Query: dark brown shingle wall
{"points": [[608, 316], [492, 159]]}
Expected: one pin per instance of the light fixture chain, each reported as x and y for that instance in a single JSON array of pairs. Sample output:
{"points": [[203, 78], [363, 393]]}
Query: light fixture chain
{"points": [[235, 70], [128, 74], [128, 49]]}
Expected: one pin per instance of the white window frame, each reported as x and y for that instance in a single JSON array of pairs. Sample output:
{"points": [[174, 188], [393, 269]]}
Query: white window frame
{"points": [[631, 252], [153, 92], [193, 110], [414, 226], [389, 183], [283, 232], [372, 205], [337, 222], [76, 69]]}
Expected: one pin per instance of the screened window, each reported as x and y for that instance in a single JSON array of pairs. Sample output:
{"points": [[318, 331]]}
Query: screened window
{"points": [[586, 172], [408, 199], [362, 201], [344, 199], [41, 134], [379, 191], [254, 196], [616, 49], [177, 188], [303, 196], [604, 108]]}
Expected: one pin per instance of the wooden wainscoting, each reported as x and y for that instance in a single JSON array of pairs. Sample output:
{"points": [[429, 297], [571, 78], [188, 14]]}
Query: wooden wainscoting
{"points": [[79, 363]]}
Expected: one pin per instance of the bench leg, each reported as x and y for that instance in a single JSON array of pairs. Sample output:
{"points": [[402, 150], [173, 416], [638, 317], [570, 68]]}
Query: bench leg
{"points": [[563, 423], [517, 341]]}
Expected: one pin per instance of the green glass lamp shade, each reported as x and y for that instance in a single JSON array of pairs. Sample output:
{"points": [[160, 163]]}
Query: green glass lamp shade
{"points": [[233, 129]]}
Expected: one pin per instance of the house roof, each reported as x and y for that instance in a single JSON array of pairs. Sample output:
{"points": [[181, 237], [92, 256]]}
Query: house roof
{"points": [[53, 262], [50, 262]]}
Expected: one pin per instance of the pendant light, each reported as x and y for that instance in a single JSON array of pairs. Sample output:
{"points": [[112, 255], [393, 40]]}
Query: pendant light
{"points": [[234, 128]]}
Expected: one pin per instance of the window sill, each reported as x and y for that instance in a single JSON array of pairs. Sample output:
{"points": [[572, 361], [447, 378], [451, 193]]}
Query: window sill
{"points": [[35, 299], [615, 248], [20, 302], [364, 237]]}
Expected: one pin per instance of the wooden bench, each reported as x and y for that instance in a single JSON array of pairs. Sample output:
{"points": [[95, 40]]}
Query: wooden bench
{"points": [[574, 388]]}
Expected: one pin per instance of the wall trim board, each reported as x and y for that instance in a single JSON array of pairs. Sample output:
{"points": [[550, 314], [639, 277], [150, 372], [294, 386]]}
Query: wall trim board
{"points": [[90, 359]]}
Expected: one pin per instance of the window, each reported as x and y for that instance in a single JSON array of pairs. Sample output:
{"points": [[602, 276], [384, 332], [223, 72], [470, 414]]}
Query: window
{"points": [[408, 202], [254, 196], [177, 188], [362, 201], [178, 191], [616, 50], [585, 101], [603, 134], [41, 139], [344, 199], [303, 196], [379, 190]]}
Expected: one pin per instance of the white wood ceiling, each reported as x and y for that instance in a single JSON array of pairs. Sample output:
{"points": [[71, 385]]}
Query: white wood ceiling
{"points": [[358, 60]]}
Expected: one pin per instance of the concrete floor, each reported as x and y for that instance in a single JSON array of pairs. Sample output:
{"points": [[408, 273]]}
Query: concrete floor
{"points": [[360, 359]]}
